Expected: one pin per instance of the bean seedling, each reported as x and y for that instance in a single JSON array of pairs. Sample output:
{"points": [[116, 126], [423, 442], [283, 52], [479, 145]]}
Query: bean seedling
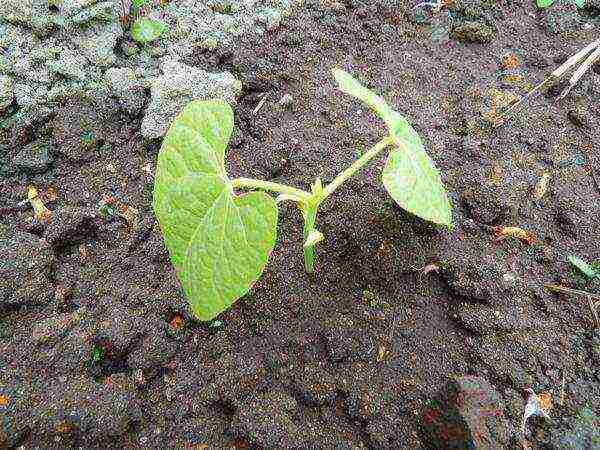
{"points": [[220, 242]]}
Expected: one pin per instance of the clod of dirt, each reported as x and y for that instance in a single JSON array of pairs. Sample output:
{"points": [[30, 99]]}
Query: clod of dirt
{"points": [[24, 270], [584, 432], [483, 319], [69, 226], [392, 433], [239, 373], [124, 327], [350, 344], [467, 413], [595, 346], [86, 412], [562, 18], [477, 272], [16, 397], [267, 420], [127, 86], [50, 330], [578, 115], [80, 127], [316, 384], [154, 248], [476, 32], [572, 217], [154, 352], [493, 194], [34, 158], [372, 401]]}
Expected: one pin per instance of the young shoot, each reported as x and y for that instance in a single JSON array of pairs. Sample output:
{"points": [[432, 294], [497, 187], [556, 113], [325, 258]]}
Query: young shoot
{"points": [[220, 241]]}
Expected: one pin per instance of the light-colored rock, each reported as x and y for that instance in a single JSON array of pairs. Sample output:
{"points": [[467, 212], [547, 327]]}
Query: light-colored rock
{"points": [[98, 43], [7, 94], [127, 87], [30, 94], [55, 49], [69, 64], [178, 85]]}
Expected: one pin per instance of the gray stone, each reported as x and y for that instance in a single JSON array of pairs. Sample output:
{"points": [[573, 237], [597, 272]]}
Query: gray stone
{"points": [[178, 85]]}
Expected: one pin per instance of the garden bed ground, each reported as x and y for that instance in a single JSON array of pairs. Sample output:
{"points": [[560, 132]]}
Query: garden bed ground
{"points": [[98, 348]]}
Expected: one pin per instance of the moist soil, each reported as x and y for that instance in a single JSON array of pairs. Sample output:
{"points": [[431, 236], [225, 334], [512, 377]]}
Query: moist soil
{"points": [[104, 353]]}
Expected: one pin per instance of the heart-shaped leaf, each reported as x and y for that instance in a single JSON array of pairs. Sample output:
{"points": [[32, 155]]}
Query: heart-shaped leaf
{"points": [[219, 243], [146, 30], [410, 176]]}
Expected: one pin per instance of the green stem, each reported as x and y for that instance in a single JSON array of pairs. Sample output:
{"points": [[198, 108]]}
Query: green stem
{"points": [[356, 166], [310, 216], [269, 186]]}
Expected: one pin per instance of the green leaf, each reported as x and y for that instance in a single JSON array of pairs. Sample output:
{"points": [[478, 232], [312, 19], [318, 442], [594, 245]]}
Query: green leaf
{"points": [[146, 30], [583, 266], [348, 84], [544, 3], [413, 182], [139, 3], [579, 3], [219, 242], [410, 175]]}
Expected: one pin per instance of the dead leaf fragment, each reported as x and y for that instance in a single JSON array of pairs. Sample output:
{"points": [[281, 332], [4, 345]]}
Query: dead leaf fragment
{"points": [[537, 405], [382, 353], [516, 232], [40, 211], [542, 186], [129, 213], [3, 400], [177, 322], [510, 61]]}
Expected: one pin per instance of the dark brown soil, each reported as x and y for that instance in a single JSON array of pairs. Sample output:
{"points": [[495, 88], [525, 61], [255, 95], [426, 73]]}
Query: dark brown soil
{"points": [[97, 357]]}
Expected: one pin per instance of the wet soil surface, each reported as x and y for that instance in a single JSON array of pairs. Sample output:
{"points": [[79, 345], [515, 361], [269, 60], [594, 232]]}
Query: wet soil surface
{"points": [[98, 348]]}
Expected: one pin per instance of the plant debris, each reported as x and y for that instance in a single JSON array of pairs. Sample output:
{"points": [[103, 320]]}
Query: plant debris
{"points": [[537, 405], [516, 232], [40, 211]]}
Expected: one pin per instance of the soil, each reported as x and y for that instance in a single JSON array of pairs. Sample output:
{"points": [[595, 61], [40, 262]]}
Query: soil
{"points": [[104, 353]]}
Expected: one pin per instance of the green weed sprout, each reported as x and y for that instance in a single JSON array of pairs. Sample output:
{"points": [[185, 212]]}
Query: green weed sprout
{"points": [[220, 242], [547, 3], [144, 30]]}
